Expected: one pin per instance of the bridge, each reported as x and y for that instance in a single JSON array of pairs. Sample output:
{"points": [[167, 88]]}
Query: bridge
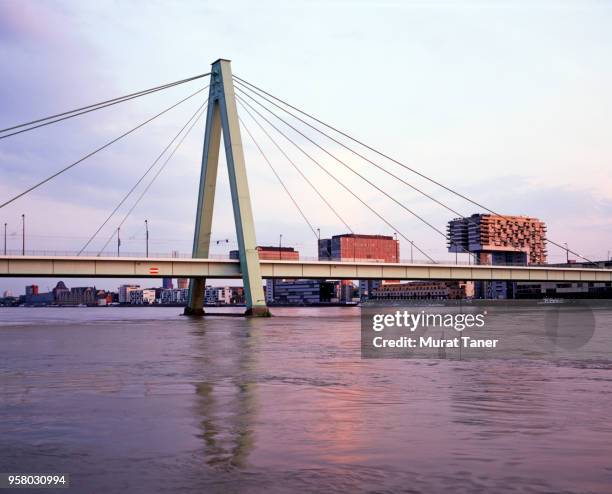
{"points": [[270, 114], [125, 267]]}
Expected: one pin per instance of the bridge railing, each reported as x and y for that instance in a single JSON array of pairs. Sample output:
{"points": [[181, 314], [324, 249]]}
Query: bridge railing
{"points": [[182, 255], [72, 253]]}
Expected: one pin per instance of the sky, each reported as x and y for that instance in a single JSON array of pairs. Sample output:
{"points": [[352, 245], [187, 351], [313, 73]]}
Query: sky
{"points": [[506, 101]]}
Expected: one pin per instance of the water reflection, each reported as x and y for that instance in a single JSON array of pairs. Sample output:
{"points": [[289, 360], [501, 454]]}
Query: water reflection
{"points": [[225, 402]]}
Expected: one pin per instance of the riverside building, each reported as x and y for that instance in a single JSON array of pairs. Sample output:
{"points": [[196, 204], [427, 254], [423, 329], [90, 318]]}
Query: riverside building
{"points": [[357, 247], [498, 240]]}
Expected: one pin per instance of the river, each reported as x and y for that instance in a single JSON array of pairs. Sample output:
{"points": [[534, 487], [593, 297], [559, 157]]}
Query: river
{"points": [[145, 400]]}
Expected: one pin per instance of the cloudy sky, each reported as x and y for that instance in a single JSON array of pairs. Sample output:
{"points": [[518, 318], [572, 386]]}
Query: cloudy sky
{"points": [[507, 101]]}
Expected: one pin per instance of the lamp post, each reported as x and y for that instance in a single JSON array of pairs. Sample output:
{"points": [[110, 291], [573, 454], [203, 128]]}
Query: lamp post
{"points": [[147, 237], [566, 253], [23, 234], [5, 239], [396, 247], [280, 247], [118, 241]]}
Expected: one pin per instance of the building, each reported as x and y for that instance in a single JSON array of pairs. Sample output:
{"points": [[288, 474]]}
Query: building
{"points": [[565, 289], [272, 253], [146, 296], [8, 300], [167, 284], [125, 291], [79, 295], [174, 296], [345, 291], [60, 290], [237, 295], [299, 292], [31, 290], [367, 288], [104, 298], [217, 295], [34, 297], [498, 240], [424, 290], [354, 247], [182, 283]]}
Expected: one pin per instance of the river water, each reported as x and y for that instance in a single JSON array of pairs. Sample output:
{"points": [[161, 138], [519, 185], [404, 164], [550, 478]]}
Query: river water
{"points": [[144, 400]]}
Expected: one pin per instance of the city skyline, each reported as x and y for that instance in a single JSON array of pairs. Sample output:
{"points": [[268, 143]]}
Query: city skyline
{"points": [[531, 166]]}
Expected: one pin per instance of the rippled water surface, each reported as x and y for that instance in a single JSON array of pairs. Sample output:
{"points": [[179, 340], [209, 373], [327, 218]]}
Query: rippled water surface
{"points": [[143, 400]]}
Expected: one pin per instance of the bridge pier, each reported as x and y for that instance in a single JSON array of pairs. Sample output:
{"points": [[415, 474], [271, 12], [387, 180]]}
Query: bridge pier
{"points": [[195, 306], [222, 117]]}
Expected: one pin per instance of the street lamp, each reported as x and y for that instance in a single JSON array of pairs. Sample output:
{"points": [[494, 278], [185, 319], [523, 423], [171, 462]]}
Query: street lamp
{"points": [[280, 247], [23, 235], [566, 253], [118, 240], [5, 239], [396, 247], [147, 236]]}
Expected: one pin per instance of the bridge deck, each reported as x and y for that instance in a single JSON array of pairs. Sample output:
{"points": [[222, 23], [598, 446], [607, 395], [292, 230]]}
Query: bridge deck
{"points": [[113, 267]]}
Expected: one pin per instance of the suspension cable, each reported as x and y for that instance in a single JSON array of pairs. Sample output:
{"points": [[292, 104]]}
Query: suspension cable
{"points": [[296, 167], [423, 220], [397, 162], [152, 181], [142, 177], [351, 150], [278, 177], [89, 108], [337, 180], [429, 196], [80, 160]]}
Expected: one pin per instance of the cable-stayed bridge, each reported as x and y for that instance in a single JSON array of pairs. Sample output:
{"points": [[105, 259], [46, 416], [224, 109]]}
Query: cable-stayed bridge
{"points": [[126, 267], [233, 104]]}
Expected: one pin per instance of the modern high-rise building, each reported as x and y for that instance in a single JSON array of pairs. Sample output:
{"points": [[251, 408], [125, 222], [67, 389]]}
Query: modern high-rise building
{"points": [[505, 239], [498, 240], [182, 283], [167, 284]]}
